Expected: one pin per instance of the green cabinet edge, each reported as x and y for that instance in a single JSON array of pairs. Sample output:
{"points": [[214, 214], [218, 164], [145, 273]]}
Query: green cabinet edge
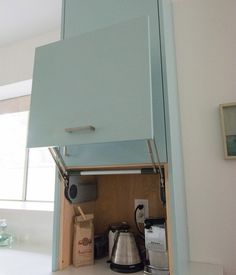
{"points": [[174, 143]]}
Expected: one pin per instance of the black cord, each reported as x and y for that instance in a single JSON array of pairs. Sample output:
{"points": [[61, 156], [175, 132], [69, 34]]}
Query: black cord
{"points": [[139, 207], [162, 191]]}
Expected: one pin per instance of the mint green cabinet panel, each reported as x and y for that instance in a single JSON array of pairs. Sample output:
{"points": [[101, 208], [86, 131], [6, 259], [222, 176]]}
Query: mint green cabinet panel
{"points": [[105, 154], [81, 16], [177, 198], [101, 78]]}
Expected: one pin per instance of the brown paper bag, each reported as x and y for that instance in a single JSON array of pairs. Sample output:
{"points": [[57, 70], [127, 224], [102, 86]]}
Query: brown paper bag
{"points": [[83, 244]]}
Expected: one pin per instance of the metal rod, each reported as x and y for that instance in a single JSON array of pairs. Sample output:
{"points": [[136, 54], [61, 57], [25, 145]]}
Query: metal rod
{"points": [[151, 155], [59, 161], [162, 179], [159, 164]]}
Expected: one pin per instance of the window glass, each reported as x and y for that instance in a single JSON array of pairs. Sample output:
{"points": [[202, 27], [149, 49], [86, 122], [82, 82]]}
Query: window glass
{"points": [[25, 174], [41, 175], [12, 154]]}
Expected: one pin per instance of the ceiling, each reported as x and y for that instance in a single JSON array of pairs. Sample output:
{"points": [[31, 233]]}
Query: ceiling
{"points": [[22, 19]]}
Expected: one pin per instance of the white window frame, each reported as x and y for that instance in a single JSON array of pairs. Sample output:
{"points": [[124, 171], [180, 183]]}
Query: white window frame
{"points": [[14, 91]]}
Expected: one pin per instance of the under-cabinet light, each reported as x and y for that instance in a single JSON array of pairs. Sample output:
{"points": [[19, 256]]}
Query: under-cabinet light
{"points": [[110, 172]]}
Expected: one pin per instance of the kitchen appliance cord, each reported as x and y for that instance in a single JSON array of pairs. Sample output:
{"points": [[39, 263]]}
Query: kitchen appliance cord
{"points": [[139, 207]]}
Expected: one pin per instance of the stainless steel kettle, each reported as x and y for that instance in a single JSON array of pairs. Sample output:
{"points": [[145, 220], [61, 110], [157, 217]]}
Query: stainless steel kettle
{"points": [[125, 256]]}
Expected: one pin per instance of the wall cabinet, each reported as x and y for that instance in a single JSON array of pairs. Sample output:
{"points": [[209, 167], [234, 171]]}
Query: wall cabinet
{"points": [[102, 92], [101, 87]]}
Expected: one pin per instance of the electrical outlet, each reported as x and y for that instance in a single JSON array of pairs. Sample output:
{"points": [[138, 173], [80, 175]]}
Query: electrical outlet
{"points": [[142, 214]]}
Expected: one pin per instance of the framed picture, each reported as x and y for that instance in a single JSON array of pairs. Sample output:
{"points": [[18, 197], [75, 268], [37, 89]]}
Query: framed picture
{"points": [[228, 124]]}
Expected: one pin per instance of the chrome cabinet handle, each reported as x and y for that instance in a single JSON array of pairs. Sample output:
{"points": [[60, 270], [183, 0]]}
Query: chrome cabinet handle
{"points": [[80, 129]]}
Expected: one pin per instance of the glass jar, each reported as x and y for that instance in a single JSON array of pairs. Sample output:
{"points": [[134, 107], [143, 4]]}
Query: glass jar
{"points": [[5, 237]]}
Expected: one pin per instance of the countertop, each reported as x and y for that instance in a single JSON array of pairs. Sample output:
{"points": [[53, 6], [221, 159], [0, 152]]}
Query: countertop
{"points": [[100, 268], [205, 269], [15, 262]]}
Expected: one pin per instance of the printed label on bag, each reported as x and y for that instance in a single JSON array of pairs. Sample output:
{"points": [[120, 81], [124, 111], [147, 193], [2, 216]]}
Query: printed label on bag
{"points": [[85, 246], [85, 241]]}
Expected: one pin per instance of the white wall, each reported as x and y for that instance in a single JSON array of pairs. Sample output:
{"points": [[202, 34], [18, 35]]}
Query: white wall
{"points": [[16, 64], [206, 63], [16, 60]]}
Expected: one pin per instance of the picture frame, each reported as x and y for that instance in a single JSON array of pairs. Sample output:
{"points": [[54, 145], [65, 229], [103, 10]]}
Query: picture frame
{"points": [[228, 125]]}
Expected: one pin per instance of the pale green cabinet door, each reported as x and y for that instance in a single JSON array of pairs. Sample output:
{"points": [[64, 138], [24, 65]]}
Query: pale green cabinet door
{"points": [[93, 88], [81, 16]]}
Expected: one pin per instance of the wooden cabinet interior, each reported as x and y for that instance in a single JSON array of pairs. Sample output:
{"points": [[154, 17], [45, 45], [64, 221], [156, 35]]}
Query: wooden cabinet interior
{"points": [[115, 203]]}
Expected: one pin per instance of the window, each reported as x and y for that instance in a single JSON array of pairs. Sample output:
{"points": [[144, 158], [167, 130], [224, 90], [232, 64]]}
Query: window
{"points": [[26, 174]]}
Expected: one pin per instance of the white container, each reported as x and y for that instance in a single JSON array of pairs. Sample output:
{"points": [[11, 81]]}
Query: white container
{"points": [[156, 236], [158, 259], [156, 245]]}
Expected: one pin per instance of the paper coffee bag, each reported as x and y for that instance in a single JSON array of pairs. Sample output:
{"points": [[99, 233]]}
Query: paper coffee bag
{"points": [[83, 244]]}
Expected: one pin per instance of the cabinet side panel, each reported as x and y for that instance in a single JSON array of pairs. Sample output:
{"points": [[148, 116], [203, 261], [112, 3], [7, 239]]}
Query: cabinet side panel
{"points": [[66, 233], [56, 226], [56, 247], [174, 146], [169, 224]]}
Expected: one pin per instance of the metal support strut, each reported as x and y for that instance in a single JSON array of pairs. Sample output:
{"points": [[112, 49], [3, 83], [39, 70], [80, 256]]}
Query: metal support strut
{"points": [[162, 178]]}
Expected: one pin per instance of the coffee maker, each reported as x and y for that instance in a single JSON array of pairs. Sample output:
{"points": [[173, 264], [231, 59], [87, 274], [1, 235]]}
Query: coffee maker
{"points": [[156, 247]]}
